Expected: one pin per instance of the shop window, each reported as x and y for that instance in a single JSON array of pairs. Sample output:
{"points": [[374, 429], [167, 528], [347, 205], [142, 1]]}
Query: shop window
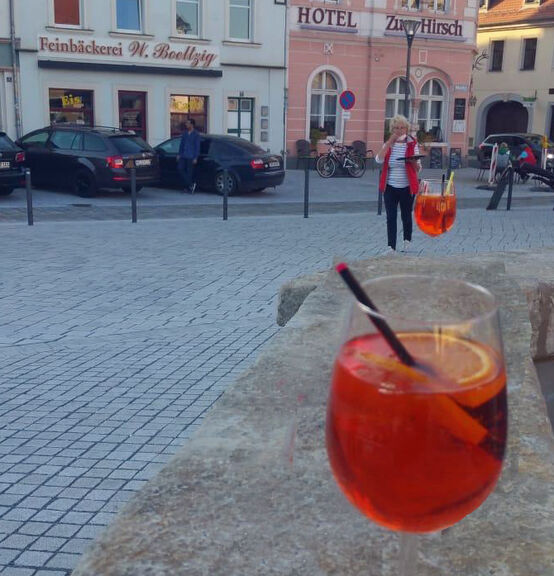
{"points": [[529, 54], [240, 115], [129, 15], [188, 17], [182, 107], [132, 112], [67, 12], [324, 98], [73, 106], [240, 19], [394, 102], [431, 108], [497, 55]]}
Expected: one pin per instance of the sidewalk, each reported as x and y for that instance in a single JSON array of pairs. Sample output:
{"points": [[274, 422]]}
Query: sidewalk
{"points": [[117, 339]]}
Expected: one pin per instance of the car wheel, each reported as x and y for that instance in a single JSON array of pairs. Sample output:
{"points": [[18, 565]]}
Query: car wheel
{"points": [[84, 184], [5, 191], [219, 183], [127, 189]]}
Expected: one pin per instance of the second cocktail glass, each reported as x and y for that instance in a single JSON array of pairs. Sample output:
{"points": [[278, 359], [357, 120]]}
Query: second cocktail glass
{"points": [[435, 207]]}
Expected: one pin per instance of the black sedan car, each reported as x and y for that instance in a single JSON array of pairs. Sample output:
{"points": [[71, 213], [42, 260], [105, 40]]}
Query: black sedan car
{"points": [[12, 157], [249, 167]]}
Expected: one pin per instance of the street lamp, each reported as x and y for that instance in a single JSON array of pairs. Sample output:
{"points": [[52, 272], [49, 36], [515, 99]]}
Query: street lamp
{"points": [[410, 28]]}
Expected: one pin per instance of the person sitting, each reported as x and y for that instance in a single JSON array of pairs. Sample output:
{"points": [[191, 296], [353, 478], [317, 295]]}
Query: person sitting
{"points": [[526, 159], [503, 158]]}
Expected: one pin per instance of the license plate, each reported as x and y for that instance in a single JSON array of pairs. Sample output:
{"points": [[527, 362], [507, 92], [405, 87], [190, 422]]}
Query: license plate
{"points": [[4, 165], [147, 162], [274, 164]]}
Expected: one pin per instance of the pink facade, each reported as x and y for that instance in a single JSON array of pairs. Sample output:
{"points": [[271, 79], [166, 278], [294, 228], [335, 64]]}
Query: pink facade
{"points": [[361, 46]]}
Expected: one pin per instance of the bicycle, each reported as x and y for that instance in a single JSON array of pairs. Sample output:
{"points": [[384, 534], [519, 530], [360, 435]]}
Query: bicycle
{"points": [[340, 156]]}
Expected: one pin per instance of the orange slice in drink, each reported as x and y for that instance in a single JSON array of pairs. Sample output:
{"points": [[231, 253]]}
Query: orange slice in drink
{"points": [[472, 368], [466, 374]]}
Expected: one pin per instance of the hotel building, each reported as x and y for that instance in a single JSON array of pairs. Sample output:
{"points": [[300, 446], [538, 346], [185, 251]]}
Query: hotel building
{"points": [[360, 45]]}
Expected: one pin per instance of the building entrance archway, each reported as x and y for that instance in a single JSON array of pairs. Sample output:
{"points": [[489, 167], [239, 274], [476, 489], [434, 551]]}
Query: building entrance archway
{"points": [[508, 116]]}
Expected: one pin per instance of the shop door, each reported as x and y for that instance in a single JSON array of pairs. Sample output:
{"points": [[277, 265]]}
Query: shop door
{"points": [[132, 112], [240, 116], [551, 132]]}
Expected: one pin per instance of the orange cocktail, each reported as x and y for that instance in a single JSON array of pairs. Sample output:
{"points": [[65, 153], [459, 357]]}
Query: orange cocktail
{"points": [[417, 450], [435, 207]]}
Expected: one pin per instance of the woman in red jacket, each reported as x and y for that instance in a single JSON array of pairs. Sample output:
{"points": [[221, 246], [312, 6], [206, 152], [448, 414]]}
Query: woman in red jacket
{"points": [[399, 182]]}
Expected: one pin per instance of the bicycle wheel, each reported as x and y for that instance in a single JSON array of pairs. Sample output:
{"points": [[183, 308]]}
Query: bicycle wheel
{"points": [[356, 167], [325, 166]]}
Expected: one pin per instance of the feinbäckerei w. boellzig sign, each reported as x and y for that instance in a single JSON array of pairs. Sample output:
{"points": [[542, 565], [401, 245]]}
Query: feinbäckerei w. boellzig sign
{"points": [[128, 51]]}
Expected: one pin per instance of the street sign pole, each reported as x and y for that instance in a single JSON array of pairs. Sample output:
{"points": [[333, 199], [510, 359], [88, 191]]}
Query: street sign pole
{"points": [[347, 99]]}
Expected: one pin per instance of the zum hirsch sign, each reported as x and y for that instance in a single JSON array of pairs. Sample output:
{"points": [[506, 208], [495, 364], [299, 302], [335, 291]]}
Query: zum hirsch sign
{"points": [[134, 50]]}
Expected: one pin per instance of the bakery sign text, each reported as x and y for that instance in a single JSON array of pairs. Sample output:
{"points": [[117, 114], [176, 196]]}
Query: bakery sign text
{"points": [[130, 50]]}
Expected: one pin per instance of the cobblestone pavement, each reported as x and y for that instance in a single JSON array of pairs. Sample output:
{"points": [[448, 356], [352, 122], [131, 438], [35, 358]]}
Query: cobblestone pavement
{"points": [[116, 339]]}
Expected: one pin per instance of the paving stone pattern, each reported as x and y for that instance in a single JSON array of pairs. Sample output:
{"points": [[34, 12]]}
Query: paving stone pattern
{"points": [[116, 339]]}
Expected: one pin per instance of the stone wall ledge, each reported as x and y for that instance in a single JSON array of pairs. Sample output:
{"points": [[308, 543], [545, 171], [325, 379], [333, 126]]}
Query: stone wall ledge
{"points": [[252, 493]]}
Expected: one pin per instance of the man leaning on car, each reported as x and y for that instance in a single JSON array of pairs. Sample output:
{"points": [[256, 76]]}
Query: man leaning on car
{"points": [[189, 150]]}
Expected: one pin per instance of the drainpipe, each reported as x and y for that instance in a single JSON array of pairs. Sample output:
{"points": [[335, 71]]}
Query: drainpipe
{"points": [[15, 75], [286, 80]]}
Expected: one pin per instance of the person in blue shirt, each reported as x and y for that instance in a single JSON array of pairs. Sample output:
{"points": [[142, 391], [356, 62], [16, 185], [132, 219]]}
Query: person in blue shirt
{"points": [[187, 158]]}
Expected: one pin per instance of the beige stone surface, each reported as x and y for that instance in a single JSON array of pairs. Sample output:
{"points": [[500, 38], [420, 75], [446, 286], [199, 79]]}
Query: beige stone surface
{"points": [[252, 492]]}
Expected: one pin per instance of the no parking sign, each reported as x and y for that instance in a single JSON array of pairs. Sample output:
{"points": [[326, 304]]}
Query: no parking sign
{"points": [[347, 99]]}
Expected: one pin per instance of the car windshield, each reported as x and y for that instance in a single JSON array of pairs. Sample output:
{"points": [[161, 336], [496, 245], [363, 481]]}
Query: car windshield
{"points": [[6, 143], [130, 144]]}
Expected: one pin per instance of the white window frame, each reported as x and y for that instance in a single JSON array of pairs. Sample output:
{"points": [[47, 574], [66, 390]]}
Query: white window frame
{"points": [[250, 38], [522, 54], [429, 98], [141, 28], [418, 5], [491, 55], [397, 96], [326, 92], [79, 26], [200, 12]]}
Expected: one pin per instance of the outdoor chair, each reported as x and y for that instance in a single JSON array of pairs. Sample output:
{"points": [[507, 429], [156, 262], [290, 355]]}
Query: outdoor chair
{"points": [[360, 148], [303, 152], [484, 164]]}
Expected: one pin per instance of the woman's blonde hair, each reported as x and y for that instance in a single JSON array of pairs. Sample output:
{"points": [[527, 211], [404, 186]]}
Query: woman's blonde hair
{"points": [[400, 120]]}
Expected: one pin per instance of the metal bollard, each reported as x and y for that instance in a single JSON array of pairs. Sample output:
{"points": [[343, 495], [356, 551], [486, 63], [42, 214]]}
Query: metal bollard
{"points": [[510, 186], [379, 198], [29, 197], [225, 194], [134, 195], [306, 188]]}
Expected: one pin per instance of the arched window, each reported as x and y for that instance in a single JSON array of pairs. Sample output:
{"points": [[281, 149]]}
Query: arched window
{"points": [[324, 98], [394, 103], [431, 109]]}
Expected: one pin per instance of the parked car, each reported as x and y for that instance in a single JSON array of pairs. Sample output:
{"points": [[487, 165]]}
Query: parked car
{"points": [[12, 174], [249, 167], [86, 158], [515, 141]]}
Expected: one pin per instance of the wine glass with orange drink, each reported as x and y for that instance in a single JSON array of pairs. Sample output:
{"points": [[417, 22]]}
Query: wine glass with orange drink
{"points": [[435, 206], [417, 411]]}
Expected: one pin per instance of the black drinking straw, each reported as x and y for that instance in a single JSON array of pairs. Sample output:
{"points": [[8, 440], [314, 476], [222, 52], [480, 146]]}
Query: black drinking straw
{"points": [[379, 323], [442, 185]]}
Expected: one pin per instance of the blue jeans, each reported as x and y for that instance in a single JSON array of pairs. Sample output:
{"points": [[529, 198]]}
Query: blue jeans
{"points": [[185, 167]]}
